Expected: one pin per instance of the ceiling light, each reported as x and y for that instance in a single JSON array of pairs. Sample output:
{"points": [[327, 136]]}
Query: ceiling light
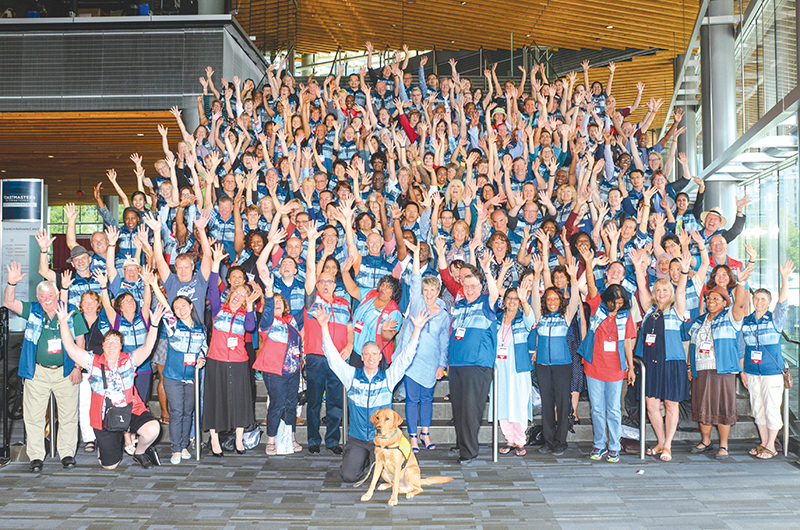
{"points": [[140, 134], [463, 3], [779, 146], [2, 170], [452, 42], [50, 156], [756, 161], [59, 180], [609, 27]]}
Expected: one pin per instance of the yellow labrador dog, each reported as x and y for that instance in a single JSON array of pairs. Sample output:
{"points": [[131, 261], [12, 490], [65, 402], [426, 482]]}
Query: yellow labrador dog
{"points": [[394, 460]]}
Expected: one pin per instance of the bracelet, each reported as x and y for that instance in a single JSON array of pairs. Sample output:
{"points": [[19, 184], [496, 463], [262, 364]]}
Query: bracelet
{"points": [[687, 272], [702, 249], [12, 284], [45, 251], [104, 288]]}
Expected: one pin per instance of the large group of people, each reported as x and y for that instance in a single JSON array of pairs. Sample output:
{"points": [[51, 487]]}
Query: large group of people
{"points": [[371, 235]]}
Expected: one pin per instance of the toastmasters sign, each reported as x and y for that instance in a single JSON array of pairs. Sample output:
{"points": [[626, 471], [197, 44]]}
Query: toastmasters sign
{"points": [[22, 200]]}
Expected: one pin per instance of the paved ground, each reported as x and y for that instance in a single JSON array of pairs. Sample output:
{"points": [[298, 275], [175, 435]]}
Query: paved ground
{"points": [[302, 491]]}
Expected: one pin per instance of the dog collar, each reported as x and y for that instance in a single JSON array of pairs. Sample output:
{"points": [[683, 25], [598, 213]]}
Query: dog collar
{"points": [[391, 435]]}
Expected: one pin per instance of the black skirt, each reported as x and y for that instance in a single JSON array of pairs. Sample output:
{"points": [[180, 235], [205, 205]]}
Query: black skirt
{"points": [[666, 380], [228, 398]]}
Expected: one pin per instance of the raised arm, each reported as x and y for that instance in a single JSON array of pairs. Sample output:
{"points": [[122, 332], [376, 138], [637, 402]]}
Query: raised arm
{"points": [[76, 353], [44, 264], [141, 353], [15, 275]]}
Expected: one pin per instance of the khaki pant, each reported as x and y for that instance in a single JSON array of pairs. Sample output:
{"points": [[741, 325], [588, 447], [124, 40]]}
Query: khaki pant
{"points": [[35, 399]]}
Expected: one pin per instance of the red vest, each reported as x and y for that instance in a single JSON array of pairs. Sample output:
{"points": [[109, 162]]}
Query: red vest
{"points": [[274, 342], [125, 365], [387, 346]]}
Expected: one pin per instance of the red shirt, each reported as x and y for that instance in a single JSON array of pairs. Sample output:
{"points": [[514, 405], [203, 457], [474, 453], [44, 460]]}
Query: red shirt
{"points": [[605, 366]]}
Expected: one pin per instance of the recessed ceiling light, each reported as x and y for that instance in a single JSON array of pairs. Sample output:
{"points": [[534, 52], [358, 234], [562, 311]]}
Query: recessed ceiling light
{"points": [[140, 134], [59, 180], [50, 156], [59, 194], [609, 27], [528, 35], [463, 3], [452, 42], [2, 170]]}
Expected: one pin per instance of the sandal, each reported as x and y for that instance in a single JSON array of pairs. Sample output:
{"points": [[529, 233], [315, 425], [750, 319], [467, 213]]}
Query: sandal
{"points": [[296, 446], [721, 456], [666, 455], [654, 451], [702, 448], [414, 437], [429, 446], [505, 449], [520, 451], [89, 447], [756, 450], [270, 450], [164, 420], [766, 454]]}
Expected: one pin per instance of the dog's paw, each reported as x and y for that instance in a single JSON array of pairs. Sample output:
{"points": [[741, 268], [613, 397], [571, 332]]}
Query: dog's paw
{"points": [[410, 495], [393, 502], [384, 486], [366, 497]]}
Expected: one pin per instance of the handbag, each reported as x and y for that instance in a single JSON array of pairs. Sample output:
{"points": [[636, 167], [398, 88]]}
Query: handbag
{"points": [[788, 380], [284, 445], [115, 419]]}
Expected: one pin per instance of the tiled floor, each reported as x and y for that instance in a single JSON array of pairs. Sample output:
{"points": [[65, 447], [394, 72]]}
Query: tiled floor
{"points": [[303, 491]]}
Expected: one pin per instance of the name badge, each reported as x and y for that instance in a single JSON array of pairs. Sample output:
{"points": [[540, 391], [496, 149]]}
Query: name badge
{"points": [[54, 346], [358, 326], [250, 277], [233, 342], [650, 339], [705, 347], [502, 352], [609, 345], [755, 357], [687, 315], [460, 332], [189, 359]]}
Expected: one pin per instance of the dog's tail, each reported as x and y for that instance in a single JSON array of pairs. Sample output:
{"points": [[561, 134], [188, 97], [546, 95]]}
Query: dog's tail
{"points": [[434, 480]]}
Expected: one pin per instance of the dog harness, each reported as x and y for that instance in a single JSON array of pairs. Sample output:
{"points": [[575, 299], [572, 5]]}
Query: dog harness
{"points": [[404, 446]]}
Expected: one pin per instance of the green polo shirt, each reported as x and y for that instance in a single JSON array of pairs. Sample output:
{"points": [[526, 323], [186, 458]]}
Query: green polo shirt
{"points": [[52, 331]]}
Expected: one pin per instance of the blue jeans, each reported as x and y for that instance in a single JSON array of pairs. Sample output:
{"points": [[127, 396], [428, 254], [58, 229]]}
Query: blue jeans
{"points": [[282, 390], [418, 397], [606, 411], [180, 397], [320, 380]]}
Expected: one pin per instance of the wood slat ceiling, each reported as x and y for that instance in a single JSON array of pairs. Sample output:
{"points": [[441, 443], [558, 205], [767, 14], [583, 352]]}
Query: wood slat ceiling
{"points": [[83, 145], [321, 26]]}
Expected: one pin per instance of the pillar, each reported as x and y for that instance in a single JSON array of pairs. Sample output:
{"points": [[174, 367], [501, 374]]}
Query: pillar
{"points": [[717, 39], [210, 7]]}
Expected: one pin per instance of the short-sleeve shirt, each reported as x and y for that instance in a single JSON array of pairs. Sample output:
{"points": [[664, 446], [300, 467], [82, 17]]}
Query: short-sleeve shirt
{"points": [[195, 289], [605, 366], [368, 320], [50, 353]]}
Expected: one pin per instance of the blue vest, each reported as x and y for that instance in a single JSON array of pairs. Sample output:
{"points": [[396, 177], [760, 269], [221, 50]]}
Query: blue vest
{"points": [[478, 346], [364, 398], [552, 335], [79, 286], [520, 332], [762, 335], [586, 349], [372, 269], [33, 330], [726, 343], [184, 340], [673, 324], [134, 335]]}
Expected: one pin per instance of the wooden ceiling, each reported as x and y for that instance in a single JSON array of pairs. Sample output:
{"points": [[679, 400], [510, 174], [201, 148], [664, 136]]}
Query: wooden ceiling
{"points": [[322, 25], [73, 150]]}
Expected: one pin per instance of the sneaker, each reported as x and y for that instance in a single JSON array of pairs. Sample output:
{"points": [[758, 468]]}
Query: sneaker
{"points": [[186, 455], [559, 450], [545, 449], [175, 459], [598, 454], [259, 377], [143, 461], [153, 455], [613, 456]]}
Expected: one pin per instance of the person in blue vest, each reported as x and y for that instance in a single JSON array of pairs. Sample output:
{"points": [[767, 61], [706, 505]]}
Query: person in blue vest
{"points": [[46, 369], [660, 347], [471, 356], [553, 357], [760, 341], [607, 352], [368, 390], [715, 360], [514, 366]]}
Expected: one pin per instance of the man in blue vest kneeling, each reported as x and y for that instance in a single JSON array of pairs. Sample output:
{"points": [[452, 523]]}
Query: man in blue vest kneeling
{"points": [[368, 390]]}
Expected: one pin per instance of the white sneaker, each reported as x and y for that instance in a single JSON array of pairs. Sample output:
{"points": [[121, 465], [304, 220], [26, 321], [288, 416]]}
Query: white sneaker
{"points": [[186, 455]]}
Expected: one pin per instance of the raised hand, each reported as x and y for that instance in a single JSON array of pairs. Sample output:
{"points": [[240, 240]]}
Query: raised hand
{"points": [[71, 212], [66, 279], [572, 267], [787, 269], [751, 252], [422, 317], [322, 316], [101, 278], [43, 240], [15, 274], [156, 314], [218, 253], [61, 311]]}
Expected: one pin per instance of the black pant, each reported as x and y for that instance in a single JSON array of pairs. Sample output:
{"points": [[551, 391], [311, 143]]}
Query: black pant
{"points": [[356, 459], [469, 390], [554, 385]]}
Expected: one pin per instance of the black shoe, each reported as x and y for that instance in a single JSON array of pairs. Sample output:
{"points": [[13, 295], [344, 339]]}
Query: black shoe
{"points": [[68, 462], [336, 449], [454, 450], [36, 466], [398, 399], [559, 450], [313, 449], [545, 449], [153, 455], [218, 455], [243, 451], [467, 461], [143, 460]]}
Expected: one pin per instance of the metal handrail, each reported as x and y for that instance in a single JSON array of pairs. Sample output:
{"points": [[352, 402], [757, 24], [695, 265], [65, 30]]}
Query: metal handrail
{"points": [[642, 408], [197, 438], [495, 421], [345, 414]]}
